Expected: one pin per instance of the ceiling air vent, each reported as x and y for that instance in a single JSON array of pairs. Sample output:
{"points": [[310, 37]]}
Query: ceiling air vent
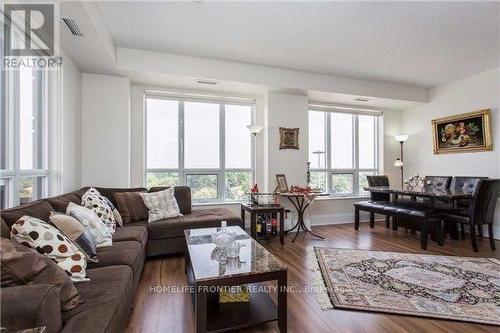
{"points": [[71, 24], [212, 83], [361, 99]]}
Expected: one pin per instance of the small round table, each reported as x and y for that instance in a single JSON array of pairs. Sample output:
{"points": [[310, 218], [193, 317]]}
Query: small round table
{"points": [[301, 201]]}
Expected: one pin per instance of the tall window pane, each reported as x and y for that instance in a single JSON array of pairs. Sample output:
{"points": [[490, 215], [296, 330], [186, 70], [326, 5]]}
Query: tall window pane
{"points": [[201, 123], [366, 134], [342, 183], [162, 133], [341, 141], [318, 181], [30, 119], [237, 185], [203, 187], [317, 149], [237, 138], [162, 179]]}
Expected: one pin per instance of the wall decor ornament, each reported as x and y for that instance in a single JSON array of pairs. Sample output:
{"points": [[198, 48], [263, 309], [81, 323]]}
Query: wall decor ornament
{"points": [[462, 133], [289, 138]]}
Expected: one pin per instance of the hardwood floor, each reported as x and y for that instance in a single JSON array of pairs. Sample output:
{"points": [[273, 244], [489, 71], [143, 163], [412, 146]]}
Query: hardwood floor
{"points": [[172, 312]]}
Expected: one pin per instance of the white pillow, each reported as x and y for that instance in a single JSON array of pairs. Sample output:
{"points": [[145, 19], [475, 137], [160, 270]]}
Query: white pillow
{"points": [[98, 203], [101, 234], [162, 204]]}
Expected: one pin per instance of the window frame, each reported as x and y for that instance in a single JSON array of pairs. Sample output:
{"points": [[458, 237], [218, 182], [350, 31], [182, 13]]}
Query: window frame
{"points": [[356, 170], [13, 174], [182, 171]]}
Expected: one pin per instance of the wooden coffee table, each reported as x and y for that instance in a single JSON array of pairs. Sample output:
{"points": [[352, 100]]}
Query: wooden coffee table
{"points": [[255, 264]]}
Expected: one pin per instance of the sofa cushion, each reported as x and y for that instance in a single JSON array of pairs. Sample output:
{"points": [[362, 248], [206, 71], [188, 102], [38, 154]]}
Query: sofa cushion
{"points": [[4, 229], [60, 202], [110, 192], [88, 218], [39, 209], [121, 253], [181, 193], [108, 298], [98, 203], [22, 265], [162, 205], [131, 207], [203, 218], [131, 233], [48, 240], [76, 232]]}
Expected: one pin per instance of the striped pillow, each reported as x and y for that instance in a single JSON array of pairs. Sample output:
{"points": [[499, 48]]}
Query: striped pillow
{"points": [[162, 205]]}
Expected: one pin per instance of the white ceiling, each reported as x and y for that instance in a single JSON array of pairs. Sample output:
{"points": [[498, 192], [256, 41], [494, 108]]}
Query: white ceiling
{"points": [[423, 43]]}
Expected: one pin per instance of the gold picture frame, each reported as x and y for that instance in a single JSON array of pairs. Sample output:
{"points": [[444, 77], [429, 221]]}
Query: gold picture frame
{"points": [[462, 133], [289, 138]]}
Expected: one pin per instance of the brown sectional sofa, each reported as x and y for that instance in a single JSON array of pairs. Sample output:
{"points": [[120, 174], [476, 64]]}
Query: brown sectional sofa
{"points": [[109, 295]]}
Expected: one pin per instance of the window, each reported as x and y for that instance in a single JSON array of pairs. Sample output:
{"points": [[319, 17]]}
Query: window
{"points": [[23, 162], [343, 150], [202, 144]]}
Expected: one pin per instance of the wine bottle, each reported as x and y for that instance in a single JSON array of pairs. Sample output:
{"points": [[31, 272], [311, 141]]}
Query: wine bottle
{"points": [[274, 222], [258, 226]]}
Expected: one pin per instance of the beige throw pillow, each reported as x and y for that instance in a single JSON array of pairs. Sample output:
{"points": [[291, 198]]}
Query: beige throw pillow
{"points": [[161, 205]]}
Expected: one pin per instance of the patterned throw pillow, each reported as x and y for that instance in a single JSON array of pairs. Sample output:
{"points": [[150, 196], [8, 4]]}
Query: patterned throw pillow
{"points": [[22, 265], [47, 240], [101, 234], [76, 232], [93, 200], [116, 213], [162, 205]]}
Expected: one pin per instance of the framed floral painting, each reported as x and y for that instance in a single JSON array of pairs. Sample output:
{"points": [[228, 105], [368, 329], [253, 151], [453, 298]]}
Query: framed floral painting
{"points": [[462, 133]]}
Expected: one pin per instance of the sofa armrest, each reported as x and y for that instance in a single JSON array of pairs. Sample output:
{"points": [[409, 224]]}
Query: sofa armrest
{"points": [[31, 306]]}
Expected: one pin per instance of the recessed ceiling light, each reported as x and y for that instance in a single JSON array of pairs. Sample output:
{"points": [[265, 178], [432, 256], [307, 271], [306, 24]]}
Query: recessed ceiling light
{"points": [[212, 83], [361, 99]]}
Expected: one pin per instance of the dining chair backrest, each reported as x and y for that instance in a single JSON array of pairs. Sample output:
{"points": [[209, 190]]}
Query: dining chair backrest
{"points": [[484, 199], [438, 183], [378, 181], [465, 184]]}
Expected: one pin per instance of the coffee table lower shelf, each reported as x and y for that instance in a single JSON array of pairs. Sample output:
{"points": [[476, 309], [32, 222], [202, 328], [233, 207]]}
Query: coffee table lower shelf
{"points": [[223, 317]]}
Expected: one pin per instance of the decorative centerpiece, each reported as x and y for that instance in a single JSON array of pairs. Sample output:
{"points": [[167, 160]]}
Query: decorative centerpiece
{"points": [[415, 183], [223, 237]]}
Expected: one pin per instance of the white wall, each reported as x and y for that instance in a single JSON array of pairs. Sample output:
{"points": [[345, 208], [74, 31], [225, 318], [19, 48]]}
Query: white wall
{"points": [[105, 130], [70, 119], [480, 91]]}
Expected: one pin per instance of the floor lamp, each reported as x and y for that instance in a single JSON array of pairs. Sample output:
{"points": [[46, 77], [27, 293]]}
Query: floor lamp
{"points": [[401, 138], [254, 130]]}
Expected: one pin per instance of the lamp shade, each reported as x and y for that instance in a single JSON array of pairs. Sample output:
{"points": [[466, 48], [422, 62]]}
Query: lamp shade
{"points": [[255, 129], [398, 163], [401, 137]]}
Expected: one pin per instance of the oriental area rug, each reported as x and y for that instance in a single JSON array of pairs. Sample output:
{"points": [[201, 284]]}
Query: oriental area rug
{"points": [[452, 288]]}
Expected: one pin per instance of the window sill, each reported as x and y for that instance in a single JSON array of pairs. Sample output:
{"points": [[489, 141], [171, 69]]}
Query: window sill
{"points": [[351, 197], [215, 203]]}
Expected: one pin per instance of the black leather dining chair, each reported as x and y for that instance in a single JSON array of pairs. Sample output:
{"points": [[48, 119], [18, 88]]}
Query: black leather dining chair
{"points": [[461, 207], [437, 183], [380, 180], [481, 210]]}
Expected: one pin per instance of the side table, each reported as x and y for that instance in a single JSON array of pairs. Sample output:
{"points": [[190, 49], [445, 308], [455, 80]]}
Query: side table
{"points": [[255, 210]]}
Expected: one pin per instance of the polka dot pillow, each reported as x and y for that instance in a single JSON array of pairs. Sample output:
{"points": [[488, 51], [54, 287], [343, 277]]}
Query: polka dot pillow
{"points": [[48, 240], [96, 202]]}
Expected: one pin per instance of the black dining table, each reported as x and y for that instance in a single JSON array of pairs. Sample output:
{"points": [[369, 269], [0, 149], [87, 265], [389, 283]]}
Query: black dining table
{"points": [[432, 195], [448, 195]]}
